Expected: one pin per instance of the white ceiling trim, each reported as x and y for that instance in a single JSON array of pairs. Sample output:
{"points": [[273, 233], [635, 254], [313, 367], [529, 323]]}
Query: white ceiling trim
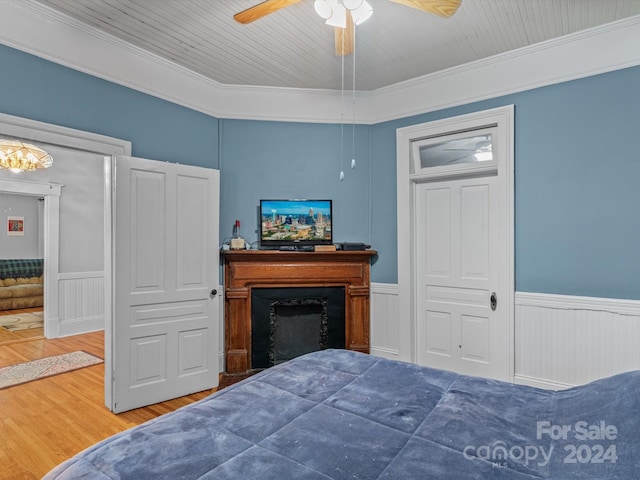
{"points": [[598, 50], [42, 31]]}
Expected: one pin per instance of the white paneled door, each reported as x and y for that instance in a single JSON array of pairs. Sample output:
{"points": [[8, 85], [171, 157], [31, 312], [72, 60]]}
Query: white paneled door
{"points": [[455, 243], [458, 268], [164, 335]]}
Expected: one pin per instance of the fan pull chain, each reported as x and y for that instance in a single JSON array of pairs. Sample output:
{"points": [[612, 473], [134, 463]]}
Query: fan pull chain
{"points": [[342, 116], [353, 101]]}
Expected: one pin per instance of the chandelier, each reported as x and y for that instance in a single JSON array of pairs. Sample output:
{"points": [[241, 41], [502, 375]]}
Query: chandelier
{"points": [[17, 156], [335, 11]]}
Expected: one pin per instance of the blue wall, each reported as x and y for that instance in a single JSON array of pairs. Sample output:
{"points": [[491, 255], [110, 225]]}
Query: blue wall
{"points": [[41, 90], [294, 160], [577, 165]]}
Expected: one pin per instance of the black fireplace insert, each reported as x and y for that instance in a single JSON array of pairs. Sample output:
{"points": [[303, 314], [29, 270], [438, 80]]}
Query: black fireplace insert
{"points": [[292, 321]]}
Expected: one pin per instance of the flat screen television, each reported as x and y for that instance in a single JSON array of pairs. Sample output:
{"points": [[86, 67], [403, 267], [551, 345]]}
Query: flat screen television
{"points": [[295, 223]]}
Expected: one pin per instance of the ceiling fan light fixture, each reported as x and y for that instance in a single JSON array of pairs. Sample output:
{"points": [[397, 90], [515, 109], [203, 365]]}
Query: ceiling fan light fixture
{"points": [[352, 4], [361, 13], [335, 11], [338, 16], [322, 8]]}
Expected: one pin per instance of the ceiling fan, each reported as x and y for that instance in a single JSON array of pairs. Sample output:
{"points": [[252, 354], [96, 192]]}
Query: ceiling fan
{"points": [[344, 36]]}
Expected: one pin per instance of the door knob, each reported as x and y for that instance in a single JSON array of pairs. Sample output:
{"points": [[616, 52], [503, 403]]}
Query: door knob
{"points": [[214, 292], [494, 301]]}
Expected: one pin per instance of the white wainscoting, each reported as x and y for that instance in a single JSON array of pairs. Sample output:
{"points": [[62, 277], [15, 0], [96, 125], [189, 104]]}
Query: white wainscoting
{"points": [[385, 326], [80, 303], [562, 340]]}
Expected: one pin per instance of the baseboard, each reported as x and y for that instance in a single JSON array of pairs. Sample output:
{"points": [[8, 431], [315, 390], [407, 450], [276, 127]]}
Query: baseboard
{"points": [[540, 383], [81, 325], [385, 353]]}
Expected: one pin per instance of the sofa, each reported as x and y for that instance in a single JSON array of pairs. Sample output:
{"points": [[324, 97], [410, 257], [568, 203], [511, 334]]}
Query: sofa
{"points": [[21, 283]]}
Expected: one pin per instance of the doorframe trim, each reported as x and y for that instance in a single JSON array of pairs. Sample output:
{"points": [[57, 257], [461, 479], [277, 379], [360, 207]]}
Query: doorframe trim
{"points": [[503, 117], [46, 133], [51, 220]]}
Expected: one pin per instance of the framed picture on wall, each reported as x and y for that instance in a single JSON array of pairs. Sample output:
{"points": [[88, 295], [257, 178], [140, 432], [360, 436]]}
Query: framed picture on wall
{"points": [[15, 226]]}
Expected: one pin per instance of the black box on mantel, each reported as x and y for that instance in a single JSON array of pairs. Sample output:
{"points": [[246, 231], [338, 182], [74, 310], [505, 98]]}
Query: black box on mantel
{"points": [[352, 246]]}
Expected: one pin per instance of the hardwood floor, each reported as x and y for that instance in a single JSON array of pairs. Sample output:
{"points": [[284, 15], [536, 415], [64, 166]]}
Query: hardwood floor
{"points": [[44, 422]]}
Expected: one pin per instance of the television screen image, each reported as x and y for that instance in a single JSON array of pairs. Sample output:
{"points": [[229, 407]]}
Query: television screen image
{"points": [[295, 223]]}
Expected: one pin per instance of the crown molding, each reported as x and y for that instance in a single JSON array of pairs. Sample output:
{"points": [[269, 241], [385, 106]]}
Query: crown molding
{"points": [[589, 52], [39, 30]]}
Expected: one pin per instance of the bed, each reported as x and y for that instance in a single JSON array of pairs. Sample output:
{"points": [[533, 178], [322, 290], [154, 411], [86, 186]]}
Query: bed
{"points": [[337, 414]]}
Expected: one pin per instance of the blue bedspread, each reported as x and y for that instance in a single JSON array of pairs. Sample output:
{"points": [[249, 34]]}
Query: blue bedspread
{"points": [[337, 414]]}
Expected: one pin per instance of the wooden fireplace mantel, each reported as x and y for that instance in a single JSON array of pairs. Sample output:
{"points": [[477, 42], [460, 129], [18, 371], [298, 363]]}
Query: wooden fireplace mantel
{"points": [[246, 269]]}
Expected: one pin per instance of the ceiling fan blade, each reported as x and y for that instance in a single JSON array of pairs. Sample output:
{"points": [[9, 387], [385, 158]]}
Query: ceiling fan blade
{"points": [[262, 9], [344, 38], [443, 8]]}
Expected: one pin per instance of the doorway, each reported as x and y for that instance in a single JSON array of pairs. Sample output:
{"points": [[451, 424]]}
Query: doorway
{"points": [[47, 135], [51, 199], [21, 268], [455, 243]]}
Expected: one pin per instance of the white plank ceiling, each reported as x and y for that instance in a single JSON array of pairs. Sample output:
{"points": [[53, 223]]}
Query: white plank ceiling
{"points": [[294, 48]]}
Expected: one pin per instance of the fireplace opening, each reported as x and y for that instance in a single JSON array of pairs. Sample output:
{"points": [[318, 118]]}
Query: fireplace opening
{"points": [[289, 322]]}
